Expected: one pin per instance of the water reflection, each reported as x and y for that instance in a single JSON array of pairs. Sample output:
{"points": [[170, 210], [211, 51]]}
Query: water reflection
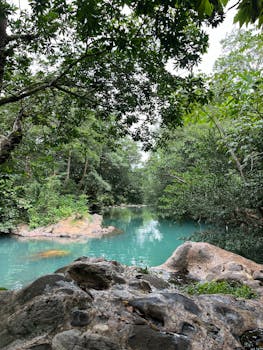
{"points": [[148, 232], [145, 241]]}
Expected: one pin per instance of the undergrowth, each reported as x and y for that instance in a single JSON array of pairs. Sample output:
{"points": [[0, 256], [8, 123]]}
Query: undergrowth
{"points": [[221, 287]]}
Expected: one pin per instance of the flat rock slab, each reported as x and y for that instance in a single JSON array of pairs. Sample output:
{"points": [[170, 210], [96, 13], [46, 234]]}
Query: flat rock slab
{"points": [[74, 228]]}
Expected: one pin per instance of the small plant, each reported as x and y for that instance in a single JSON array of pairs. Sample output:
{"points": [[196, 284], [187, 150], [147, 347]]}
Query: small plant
{"points": [[221, 287], [144, 270], [2, 288]]}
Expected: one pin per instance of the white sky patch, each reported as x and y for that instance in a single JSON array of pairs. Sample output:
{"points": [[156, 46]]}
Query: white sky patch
{"points": [[215, 36]]}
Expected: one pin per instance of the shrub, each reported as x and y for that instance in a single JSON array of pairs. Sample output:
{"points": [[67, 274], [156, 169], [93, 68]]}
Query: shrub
{"points": [[221, 287], [50, 205]]}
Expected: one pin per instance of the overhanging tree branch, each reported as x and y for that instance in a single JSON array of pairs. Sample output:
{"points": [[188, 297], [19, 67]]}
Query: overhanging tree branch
{"points": [[230, 149], [10, 142], [45, 85]]}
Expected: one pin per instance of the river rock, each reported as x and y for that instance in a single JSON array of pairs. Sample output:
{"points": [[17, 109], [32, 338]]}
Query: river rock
{"points": [[74, 227], [102, 305]]}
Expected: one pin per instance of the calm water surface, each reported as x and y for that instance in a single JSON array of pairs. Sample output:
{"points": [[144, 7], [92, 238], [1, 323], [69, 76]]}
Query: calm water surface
{"points": [[145, 241]]}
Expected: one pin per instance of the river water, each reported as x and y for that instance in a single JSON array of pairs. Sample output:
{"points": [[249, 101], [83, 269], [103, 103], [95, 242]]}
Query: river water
{"points": [[145, 241]]}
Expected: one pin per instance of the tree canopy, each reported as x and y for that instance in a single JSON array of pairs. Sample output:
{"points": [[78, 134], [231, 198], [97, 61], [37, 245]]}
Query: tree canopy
{"points": [[106, 57]]}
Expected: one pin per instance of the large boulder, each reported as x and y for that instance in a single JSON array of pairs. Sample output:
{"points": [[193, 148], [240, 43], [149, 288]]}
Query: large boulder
{"points": [[206, 262], [102, 305]]}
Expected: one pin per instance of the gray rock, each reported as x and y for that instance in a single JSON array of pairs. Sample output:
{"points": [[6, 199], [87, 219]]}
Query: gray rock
{"points": [[145, 338], [155, 281], [90, 276], [141, 285], [188, 304], [80, 318], [99, 305], [71, 339], [39, 286], [258, 275]]}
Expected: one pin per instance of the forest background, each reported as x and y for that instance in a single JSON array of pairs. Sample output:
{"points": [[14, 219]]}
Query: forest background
{"points": [[84, 84]]}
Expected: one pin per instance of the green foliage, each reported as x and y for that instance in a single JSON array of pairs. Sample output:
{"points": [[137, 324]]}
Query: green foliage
{"points": [[248, 11], [144, 270], [49, 206], [12, 205], [211, 169], [221, 287]]}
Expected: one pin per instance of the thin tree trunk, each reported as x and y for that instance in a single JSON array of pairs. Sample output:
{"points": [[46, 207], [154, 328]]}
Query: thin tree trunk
{"points": [[28, 169], [230, 149], [84, 173], [3, 53], [68, 166], [10, 142]]}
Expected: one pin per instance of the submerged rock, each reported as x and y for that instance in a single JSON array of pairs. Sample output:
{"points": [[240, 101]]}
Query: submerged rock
{"points": [[52, 253], [102, 305]]}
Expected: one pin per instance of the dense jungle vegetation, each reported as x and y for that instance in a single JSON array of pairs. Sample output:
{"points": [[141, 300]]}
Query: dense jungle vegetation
{"points": [[84, 85]]}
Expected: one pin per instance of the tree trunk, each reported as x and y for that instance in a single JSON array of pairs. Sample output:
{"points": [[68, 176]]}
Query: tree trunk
{"points": [[28, 169], [10, 142], [230, 149], [68, 166], [84, 173], [3, 53]]}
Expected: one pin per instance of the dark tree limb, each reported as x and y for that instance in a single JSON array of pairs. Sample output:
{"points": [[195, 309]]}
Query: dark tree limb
{"points": [[10, 142], [3, 54], [22, 37], [45, 85]]}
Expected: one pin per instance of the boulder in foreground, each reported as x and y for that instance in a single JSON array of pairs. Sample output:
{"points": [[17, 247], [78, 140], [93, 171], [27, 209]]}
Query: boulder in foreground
{"points": [[206, 262], [102, 305]]}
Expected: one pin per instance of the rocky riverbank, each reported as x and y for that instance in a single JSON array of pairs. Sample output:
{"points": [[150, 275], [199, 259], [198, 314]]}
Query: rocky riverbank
{"points": [[75, 227], [103, 305]]}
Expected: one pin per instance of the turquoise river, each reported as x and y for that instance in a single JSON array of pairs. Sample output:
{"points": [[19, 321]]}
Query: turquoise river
{"points": [[145, 241]]}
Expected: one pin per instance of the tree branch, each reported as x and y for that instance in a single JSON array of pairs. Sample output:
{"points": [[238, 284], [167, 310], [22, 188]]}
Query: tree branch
{"points": [[22, 95], [23, 37], [230, 149], [44, 85]]}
